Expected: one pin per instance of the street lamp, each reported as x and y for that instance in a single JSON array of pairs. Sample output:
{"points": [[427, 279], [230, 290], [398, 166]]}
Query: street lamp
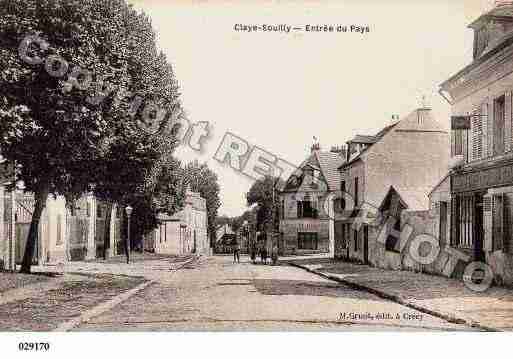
{"points": [[128, 210]]}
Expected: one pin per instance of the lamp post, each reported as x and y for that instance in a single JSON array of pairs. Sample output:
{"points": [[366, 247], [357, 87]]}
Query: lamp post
{"points": [[128, 210], [245, 233]]}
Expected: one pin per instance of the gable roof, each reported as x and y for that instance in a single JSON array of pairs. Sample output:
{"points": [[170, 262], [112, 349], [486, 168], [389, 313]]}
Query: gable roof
{"points": [[364, 139], [419, 120], [375, 139], [327, 163], [411, 200]]}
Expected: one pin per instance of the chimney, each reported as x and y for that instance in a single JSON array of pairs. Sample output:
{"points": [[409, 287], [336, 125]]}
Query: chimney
{"points": [[316, 147], [423, 113]]}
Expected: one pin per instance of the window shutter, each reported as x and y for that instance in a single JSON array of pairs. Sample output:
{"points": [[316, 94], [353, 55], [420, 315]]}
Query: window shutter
{"points": [[453, 142], [484, 130], [498, 222], [507, 121], [454, 222], [490, 128], [477, 135], [487, 214]]}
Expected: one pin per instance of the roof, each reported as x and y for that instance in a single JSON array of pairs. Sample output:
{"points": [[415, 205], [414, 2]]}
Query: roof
{"points": [[223, 231], [504, 12], [435, 187], [410, 199], [376, 138], [419, 120], [364, 139], [329, 163]]}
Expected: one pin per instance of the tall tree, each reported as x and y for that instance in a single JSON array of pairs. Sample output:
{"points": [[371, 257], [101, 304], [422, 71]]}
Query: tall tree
{"points": [[263, 194], [59, 130], [202, 179]]}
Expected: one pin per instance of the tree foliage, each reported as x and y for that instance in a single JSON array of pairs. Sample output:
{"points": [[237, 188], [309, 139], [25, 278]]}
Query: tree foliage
{"points": [[69, 138], [262, 193], [202, 179]]}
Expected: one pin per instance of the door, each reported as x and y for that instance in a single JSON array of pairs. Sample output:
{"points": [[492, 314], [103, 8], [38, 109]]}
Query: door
{"points": [[479, 254], [443, 224], [366, 244]]}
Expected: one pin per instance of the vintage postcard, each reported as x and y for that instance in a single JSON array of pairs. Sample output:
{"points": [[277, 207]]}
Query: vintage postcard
{"points": [[255, 166]]}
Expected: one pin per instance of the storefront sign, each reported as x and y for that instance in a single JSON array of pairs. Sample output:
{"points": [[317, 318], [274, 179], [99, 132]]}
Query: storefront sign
{"points": [[487, 178], [460, 123]]}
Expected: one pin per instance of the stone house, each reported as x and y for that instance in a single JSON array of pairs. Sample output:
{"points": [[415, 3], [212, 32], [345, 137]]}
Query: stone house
{"points": [[305, 223], [184, 232], [481, 179], [403, 161]]}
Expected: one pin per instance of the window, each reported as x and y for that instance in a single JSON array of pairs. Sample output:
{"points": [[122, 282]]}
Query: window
{"points": [[356, 191], [464, 214], [343, 186], [99, 211], [307, 240], [282, 209], [458, 142], [306, 209], [498, 125], [393, 235]]}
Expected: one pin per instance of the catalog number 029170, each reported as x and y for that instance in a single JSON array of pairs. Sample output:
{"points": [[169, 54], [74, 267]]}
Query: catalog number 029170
{"points": [[36, 347]]}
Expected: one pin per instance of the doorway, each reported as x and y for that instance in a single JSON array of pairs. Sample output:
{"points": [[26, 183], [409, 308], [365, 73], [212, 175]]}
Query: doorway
{"points": [[366, 244], [479, 254], [443, 224]]}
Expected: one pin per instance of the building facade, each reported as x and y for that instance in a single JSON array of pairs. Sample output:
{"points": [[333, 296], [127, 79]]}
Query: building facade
{"points": [[481, 180], [226, 239], [305, 223], [183, 233], [386, 174]]}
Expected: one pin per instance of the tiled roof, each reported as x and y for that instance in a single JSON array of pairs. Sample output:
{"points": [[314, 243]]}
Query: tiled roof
{"points": [[376, 139], [414, 200], [329, 163], [364, 139]]}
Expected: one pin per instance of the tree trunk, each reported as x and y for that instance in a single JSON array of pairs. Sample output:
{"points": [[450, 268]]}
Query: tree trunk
{"points": [[106, 231], [40, 196]]}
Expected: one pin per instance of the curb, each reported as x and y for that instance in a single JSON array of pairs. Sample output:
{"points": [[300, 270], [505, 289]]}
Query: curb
{"points": [[103, 307], [398, 299]]}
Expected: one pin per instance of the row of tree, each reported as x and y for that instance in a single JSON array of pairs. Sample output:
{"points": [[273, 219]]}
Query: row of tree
{"points": [[263, 214], [63, 142]]}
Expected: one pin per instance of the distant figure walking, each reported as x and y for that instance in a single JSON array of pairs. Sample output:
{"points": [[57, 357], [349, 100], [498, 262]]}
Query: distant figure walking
{"points": [[263, 255], [253, 253], [274, 255], [236, 253]]}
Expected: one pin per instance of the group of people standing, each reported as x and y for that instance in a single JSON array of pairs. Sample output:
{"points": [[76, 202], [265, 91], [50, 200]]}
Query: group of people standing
{"points": [[255, 249], [262, 251]]}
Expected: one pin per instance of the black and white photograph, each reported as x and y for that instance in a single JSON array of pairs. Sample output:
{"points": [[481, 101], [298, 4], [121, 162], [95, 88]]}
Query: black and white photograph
{"points": [[255, 178]]}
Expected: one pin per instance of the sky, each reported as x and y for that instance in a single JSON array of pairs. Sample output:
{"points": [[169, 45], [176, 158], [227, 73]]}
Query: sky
{"points": [[278, 90]]}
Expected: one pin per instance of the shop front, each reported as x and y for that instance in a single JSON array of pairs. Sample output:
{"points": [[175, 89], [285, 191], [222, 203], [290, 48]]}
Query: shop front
{"points": [[482, 215]]}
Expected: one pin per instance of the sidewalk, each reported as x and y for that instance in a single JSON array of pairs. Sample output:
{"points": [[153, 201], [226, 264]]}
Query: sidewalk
{"points": [[81, 291], [446, 298]]}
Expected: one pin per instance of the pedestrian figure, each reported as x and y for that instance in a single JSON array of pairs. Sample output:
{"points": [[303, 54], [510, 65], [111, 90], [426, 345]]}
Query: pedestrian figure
{"points": [[264, 255], [274, 255], [236, 253], [253, 253]]}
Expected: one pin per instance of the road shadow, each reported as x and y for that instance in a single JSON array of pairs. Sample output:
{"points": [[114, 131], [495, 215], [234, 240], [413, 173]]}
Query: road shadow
{"points": [[307, 288]]}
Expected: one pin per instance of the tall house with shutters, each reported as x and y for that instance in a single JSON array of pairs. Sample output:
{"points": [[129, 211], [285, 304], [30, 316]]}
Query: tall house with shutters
{"points": [[481, 178], [305, 223]]}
